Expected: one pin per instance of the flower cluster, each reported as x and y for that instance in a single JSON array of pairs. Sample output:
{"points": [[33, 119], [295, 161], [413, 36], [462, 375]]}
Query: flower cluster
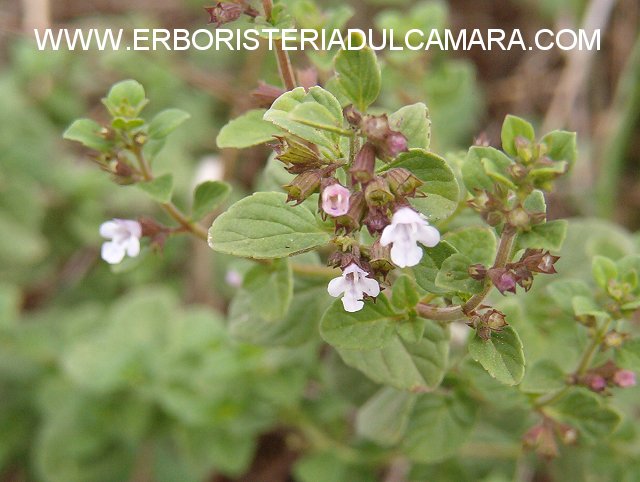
{"points": [[599, 379], [519, 273], [375, 199]]}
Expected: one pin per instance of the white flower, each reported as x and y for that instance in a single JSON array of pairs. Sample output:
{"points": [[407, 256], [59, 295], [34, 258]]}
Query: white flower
{"points": [[406, 229], [354, 284], [124, 236], [210, 168]]}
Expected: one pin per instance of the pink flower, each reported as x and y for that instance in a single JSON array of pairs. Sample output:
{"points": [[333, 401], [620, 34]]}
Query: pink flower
{"points": [[597, 383], [335, 200], [624, 378]]}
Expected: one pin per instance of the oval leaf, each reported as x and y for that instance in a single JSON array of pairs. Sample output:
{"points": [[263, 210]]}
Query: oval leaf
{"points": [[501, 355]]}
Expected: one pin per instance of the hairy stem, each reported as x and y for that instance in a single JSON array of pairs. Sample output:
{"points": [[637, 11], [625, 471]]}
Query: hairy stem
{"points": [[457, 312], [284, 63], [170, 208]]}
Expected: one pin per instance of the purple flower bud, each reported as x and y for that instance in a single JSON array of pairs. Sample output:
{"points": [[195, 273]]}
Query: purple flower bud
{"points": [[503, 279], [624, 378], [597, 383], [335, 200], [364, 164], [395, 144]]}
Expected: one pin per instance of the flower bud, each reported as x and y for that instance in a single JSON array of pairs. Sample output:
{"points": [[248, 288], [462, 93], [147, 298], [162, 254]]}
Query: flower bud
{"points": [[624, 378], [402, 182], [377, 192], [614, 339], [376, 219], [224, 13], [380, 258], [517, 171], [335, 199], [395, 143], [303, 186], [297, 155], [519, 218], [376, 128], [352, 116], [524, 277], [495, 320], [351, 220], [494, 218], [503, 279], [524, 149], [364, 164], [478, 271], [596, 383]]}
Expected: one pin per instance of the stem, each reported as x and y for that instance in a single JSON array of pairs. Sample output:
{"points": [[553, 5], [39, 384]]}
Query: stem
{"points": [[457, 312], [284, 62], [170, 208], [583, 366]]}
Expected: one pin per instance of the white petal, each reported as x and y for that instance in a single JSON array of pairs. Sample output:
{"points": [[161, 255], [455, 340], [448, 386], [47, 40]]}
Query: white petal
{"points": [[370, 286], [388, 235], [133, 227], [351, 304], [133, 246], [337, 286], [405, 254], [353, 268], [109, 229], [428, 235], [112, 253], [407, 216]]}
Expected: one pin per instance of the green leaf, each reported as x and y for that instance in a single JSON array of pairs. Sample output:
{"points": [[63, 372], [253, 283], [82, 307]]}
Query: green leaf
{"points": [[160, 189], [427, 270], [535, 203], [264, 226], [126, 99], [476, 243], [358, 73], [438, 426], [603, 270], [561, 146], [501, 355], [416, 367], [440, 188], [289, 113], [166, 122], [207, 196], [270, 288], [298, 326], [371, 327], [385, 416], [454, 275], [404, 293], [474, 172], [512, 128], [563, 291], [549, 235], [88, 133], [543, 377], [628, 355], [586, 306], [411, 329], [587, 412], [250, 129], [413, 121]]}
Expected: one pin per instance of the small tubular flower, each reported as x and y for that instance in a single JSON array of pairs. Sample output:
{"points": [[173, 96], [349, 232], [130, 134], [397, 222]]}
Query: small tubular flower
{"points": [[354, 283], [124, 238], [407, 228], [335, 200]]}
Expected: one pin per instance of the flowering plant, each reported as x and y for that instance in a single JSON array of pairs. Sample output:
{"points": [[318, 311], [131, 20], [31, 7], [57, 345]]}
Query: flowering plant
{"points": [[358, 207]]}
